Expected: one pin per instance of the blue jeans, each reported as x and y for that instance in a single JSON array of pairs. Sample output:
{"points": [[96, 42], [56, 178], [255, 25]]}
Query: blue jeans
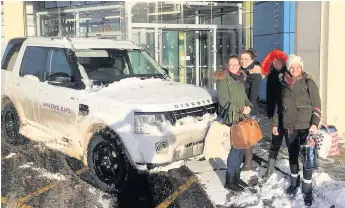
{"points": [[235, 159]]}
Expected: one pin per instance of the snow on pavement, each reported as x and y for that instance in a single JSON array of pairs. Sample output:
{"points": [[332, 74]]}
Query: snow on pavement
{"points": [[10, 155], [43, 172], [329, 191], [102, 199]]}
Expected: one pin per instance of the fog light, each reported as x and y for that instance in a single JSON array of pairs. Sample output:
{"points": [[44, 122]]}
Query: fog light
{"points": [[161, 147]]}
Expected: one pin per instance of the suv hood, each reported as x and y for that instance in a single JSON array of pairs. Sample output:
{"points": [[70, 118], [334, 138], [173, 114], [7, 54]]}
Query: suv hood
{"points": [[154, 91]]}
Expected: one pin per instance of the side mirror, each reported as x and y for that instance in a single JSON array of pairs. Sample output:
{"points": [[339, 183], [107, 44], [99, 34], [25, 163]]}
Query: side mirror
{"points": [[60, 79]]}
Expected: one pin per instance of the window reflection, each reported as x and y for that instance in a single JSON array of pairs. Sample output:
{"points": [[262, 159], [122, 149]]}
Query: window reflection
{"points": [[108, 22], [184, 51]]}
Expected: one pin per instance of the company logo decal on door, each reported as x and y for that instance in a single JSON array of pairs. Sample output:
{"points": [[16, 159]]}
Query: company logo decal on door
{"points": [[57, 108]]}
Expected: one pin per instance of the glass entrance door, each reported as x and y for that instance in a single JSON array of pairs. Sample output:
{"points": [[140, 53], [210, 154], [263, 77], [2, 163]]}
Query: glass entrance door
{"points": [[187, 55]]}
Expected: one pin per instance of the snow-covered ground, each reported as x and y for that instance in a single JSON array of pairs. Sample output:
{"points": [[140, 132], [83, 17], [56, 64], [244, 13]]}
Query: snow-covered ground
{"points": [[328, 181], [43, 172], [211, 174], [329, 191]]}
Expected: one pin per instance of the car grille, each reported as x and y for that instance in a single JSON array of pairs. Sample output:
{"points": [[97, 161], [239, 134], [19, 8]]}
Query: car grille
{"points": [[194, 112]]}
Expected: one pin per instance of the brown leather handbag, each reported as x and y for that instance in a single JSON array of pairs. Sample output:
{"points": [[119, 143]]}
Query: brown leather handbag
{"points": [[245, 133]]}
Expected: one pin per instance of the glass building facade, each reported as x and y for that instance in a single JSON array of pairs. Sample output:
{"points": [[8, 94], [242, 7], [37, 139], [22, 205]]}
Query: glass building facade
{"points": [[190, 39]]}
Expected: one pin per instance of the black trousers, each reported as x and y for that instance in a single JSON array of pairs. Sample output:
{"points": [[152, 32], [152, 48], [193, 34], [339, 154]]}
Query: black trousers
{"points": [[294, 139], [276, 143], [252, 85]]}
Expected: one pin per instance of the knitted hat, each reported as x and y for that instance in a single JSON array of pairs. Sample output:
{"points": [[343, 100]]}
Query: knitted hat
{"points": [[267, 61], [293, 59]]}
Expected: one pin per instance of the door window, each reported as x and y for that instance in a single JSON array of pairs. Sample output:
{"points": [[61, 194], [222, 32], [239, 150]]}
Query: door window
{"points": [[34, 62], [59, 62]]}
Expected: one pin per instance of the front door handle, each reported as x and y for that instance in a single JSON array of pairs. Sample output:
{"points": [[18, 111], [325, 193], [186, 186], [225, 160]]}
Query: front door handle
{"points": [[83, 109]]}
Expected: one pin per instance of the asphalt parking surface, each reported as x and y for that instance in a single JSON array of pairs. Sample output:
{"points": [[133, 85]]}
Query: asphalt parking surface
{"points": [[34, 176]]}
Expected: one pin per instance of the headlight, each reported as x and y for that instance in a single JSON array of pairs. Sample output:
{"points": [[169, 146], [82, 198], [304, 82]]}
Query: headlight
{"points": [[146, 123]]}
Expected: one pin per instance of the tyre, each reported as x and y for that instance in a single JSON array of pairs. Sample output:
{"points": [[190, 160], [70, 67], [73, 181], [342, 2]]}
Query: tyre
{"points": [[107, 163], [10, 124]]}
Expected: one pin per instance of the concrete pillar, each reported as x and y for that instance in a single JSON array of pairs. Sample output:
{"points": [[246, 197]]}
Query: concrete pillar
{"points": [[332, 62], [14, 19], [248, 23], [320, 42]]}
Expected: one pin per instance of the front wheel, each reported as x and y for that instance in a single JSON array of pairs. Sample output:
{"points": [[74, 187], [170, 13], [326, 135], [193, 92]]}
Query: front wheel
{"points": [[107, 163], [10, 124]]}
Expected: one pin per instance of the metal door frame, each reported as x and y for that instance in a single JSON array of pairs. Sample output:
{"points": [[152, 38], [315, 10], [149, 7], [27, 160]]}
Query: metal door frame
{"points": [[158, 28]]}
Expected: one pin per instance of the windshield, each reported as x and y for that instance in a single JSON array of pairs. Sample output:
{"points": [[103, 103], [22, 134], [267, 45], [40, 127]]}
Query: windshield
{"points": [[105, 66]]}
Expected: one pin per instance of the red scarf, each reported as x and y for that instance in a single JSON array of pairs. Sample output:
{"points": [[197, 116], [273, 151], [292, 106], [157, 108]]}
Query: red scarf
{"points": [[290, 80]]}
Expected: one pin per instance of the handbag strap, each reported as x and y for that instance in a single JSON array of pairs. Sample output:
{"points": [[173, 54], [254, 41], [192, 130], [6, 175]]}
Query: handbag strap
{"points": [[242, 115], [233, 115]]}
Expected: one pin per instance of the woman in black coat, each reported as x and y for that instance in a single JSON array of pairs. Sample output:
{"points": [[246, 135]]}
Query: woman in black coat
{"points": [[252, 69], [275, 63]]}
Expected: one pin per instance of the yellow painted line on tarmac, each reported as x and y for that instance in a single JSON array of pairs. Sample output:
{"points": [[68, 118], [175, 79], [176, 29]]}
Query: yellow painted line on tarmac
{"points": [[37, 192], [22, 200], [81, 170], [178, 192], [24, 206], [3, 200]]}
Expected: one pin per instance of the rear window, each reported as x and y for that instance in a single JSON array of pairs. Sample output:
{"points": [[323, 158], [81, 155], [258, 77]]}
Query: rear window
{"points": [[34, 62]]}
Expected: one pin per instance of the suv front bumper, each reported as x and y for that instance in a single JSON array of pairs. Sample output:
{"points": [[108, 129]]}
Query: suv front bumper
{"points": [[161, 150]]}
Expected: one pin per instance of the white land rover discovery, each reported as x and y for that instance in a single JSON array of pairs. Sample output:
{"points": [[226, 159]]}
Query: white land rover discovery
{"points": [[107, 103]]}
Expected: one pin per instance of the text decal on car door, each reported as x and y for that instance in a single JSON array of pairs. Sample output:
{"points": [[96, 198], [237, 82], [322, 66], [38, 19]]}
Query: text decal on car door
{"points": [[57, 107]]}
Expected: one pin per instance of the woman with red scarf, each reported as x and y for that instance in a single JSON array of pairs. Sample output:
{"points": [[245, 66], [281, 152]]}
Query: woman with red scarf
{"points": [[275, 64]]}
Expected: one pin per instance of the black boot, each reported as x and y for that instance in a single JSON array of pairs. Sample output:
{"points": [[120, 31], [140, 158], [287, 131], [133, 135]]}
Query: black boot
{"points": [[292, 190], [239, 180], [231, 183], [248, 159], [307, 190], [270, 169]]}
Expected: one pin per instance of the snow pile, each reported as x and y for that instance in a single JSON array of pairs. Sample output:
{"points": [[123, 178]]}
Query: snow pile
{"points": [[103, 199], [92, 190], [134, 81], [130, 82], [166, 168], [10, 155], [176, 164], [40, 146], [327, 191], [153, 91], [187, 124], [43, 172]]}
